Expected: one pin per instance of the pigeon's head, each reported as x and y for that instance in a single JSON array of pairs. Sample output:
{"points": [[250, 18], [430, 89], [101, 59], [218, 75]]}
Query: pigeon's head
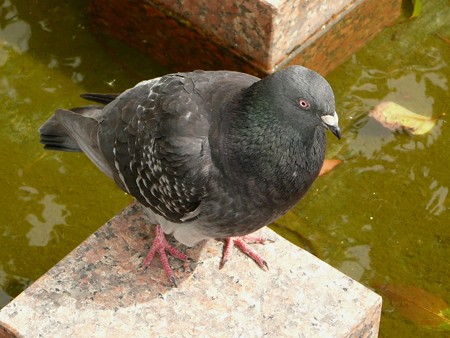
{"points": [[304, 94]]}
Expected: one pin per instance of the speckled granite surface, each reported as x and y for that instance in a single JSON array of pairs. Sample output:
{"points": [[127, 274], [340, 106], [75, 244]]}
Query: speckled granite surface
{"points": [[266, 30], [100, 290], [255, 36]]}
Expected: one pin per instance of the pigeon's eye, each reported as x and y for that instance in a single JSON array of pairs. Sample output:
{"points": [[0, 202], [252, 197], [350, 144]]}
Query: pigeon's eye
{"points": [[303, 103]]}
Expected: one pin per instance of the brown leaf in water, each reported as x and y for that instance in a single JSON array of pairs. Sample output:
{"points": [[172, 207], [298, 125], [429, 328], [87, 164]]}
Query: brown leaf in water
{"points": [[328, 165], [444, 38], [418, 305], [393, 116]]}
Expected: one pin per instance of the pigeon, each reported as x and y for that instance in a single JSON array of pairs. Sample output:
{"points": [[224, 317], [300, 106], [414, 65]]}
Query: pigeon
{"points": [[209, 154]]}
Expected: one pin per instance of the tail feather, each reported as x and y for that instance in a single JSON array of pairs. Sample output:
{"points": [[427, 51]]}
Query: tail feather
{"points": [[53, 134], [99, 98], [76, 130], [82, 125], [55, 137]]}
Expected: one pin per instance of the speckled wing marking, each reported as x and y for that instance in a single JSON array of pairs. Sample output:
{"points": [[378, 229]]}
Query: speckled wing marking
{"points": [[155, 137]]}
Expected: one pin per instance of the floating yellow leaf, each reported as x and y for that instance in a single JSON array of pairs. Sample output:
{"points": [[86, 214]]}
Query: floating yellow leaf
{"points": [[328, 165], [393, 116], [418, 305]]}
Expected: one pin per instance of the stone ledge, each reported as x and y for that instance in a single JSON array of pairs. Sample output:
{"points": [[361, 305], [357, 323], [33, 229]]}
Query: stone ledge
{"points": [[254, 36], [100, 290]]}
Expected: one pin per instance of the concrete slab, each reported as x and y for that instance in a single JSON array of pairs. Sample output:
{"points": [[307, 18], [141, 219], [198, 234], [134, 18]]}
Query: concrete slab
{"points": [[101, 290]]}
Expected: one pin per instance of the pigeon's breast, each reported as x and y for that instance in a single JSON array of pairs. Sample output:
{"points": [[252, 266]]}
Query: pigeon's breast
{"points": [[256, 187]]}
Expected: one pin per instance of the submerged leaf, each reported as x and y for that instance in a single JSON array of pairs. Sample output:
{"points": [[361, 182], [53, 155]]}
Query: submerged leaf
{"points": [[393, 116], [417, 4], [444, 38], [328, 165], [418, 305]]}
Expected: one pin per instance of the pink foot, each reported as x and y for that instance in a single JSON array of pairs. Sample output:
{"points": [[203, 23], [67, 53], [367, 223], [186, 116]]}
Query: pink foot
{"points": [[242, 243], [160, 245]]}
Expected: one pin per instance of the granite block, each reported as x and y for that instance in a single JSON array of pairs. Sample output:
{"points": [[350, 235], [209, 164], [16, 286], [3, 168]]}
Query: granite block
{"points": [[101, 290], [254, 36], [329, 47]]}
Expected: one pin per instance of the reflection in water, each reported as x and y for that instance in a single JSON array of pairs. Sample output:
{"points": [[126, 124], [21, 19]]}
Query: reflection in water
{"points": [[358, 261], [14, 37], [436, 205], [16, 34], [6, 88], [13, 31], [43, 225], [12, 285]]}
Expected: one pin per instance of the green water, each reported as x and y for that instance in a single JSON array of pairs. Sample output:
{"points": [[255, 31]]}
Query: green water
{"points": [[382, 216]]}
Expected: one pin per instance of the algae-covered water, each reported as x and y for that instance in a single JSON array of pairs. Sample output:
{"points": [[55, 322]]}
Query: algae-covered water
{"points": [[382, 216]]}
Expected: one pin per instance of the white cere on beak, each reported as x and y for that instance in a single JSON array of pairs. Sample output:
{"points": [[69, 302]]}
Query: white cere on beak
{"points": [[330, 120]]}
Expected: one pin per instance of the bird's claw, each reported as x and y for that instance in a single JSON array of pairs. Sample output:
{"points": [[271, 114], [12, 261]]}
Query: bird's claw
{"points": [[242, 243], [160, 245]]}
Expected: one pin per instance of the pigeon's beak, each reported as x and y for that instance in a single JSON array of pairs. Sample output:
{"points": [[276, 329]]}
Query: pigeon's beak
{"points": [[331, 123]]}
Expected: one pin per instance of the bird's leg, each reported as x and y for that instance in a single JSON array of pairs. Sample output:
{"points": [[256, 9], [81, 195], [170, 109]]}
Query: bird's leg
{"points": [[160, 245], [242, 243]]}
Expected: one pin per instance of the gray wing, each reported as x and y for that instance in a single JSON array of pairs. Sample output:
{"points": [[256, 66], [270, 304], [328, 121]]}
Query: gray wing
{"points": [[155, 136]]}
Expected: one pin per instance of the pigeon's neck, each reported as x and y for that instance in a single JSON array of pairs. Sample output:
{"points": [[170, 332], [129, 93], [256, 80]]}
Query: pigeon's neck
{"points": [[272, 153]]}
